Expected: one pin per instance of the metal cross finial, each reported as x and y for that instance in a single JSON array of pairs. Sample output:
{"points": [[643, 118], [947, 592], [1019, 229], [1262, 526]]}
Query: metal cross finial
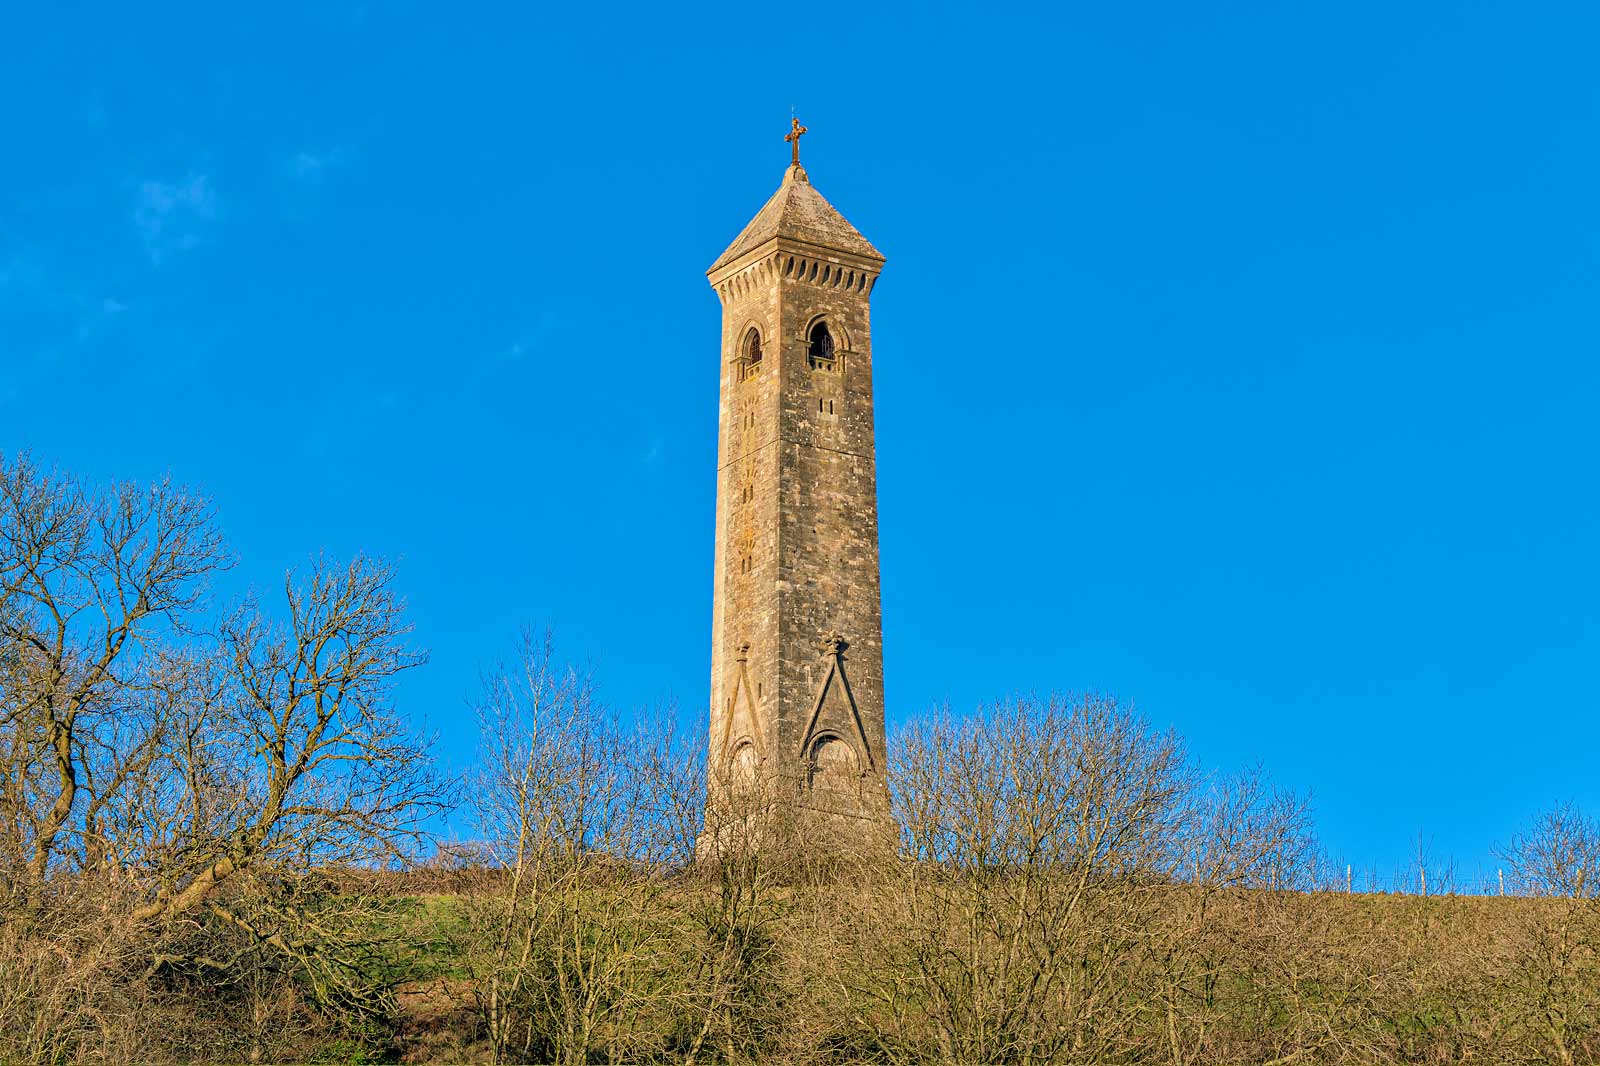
{"points": [[796, 131]]}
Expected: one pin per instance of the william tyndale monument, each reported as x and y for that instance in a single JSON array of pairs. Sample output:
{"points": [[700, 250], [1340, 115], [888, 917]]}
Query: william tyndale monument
{"points": [[797, 631]]}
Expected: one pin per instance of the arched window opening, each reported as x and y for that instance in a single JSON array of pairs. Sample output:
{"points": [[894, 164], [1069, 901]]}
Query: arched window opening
{"points": [[744, 764], [750, 356], [832, 765], [821, 352]]}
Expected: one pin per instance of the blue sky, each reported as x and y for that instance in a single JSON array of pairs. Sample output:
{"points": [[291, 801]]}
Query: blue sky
{"points": [[1239, 359]]}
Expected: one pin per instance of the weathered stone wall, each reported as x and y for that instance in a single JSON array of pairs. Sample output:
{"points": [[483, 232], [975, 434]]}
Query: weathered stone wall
{"points": [[797, 654], [745, 607]]}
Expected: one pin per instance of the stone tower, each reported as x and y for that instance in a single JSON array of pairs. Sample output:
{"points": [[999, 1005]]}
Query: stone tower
{"points": [[797, 632]]}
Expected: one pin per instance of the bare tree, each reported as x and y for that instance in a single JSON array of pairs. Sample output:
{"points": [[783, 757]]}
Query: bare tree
{"points": [[1559, 856], [91, 586], [183, 772], [288, 753]]}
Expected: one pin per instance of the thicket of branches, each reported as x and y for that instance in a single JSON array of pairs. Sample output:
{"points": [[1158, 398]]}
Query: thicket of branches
{"points": [[180, 780], [213, 847]]}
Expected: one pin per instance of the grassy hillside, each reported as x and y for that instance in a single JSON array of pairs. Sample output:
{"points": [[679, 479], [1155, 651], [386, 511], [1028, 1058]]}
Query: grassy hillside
{"points": [[890, 966]]}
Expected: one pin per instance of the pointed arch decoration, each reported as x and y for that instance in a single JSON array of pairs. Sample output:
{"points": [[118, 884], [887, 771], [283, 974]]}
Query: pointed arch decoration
{"points": [[834, 679], [742, 705]]}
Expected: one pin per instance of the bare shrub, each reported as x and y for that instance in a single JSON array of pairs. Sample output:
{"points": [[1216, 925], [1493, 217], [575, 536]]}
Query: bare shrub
{"points": [[737, 986], [1033, 835], [1241, 833], [1066, 892], [579, 822], [1552, 982]]}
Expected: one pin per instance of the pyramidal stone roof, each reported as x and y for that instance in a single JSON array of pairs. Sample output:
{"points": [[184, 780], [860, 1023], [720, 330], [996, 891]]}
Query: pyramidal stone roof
{"points": [[798, 211]]}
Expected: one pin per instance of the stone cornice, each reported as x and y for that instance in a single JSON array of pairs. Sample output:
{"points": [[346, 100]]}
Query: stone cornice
{"points": [[798, 261]]}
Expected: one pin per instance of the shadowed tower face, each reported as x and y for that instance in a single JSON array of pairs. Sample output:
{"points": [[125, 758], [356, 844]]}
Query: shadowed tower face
{"points": [[797, 642]]}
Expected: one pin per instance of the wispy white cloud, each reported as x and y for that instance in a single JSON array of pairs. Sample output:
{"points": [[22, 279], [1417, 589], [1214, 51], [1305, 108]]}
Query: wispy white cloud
{"points": [[59, 309], [17, 272], [91, 314], [175, 216], [312, 167], [527, 342]]}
